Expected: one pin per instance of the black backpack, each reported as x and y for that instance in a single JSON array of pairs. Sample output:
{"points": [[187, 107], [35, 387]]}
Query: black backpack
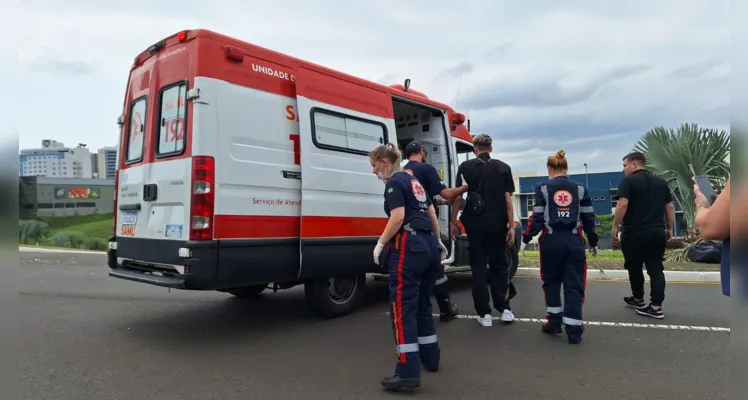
{"points": [[475, 204]]}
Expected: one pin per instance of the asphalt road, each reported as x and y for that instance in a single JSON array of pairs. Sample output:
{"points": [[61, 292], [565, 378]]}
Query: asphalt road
{"points": [[84, 335]]}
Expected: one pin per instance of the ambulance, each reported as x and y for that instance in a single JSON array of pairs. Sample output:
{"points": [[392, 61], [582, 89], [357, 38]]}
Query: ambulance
{"points": [[241, 169]]}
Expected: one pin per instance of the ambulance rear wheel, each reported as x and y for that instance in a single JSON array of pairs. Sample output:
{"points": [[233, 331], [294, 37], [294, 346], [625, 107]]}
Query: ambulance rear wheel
{"points": [[512, 260], [337, 296]]}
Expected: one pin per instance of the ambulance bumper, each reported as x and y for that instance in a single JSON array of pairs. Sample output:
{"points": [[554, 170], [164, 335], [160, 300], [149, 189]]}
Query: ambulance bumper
{"points": [[166, 263]]}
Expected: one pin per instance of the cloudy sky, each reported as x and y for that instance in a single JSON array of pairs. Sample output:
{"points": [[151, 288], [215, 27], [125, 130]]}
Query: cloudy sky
{"points": [[586, 76]]}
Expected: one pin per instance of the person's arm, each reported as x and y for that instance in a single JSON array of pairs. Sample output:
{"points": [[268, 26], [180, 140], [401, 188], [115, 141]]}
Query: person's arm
{"points": [[739, 213], [623, 193], [434, 221], [456, 201], [714, 222], [587, 215], [396, 201], [535, 223], [509, 185]]}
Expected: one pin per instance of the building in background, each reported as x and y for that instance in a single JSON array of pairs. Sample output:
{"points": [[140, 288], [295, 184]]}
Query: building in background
{"points": [[107, 162], [95, 165], [55, 160], [602, 188], [58, 197]]}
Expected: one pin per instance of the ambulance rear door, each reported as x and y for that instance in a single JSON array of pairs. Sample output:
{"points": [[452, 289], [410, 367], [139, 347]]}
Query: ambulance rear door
{"points": [[341, 121]]}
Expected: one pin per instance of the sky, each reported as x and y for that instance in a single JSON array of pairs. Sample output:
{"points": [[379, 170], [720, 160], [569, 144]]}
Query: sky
{"points": [[589, 77]]}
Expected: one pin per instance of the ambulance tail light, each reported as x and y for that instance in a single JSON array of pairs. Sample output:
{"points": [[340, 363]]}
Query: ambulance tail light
{"points": [[114, 207], [202, 203], [235, 54]]}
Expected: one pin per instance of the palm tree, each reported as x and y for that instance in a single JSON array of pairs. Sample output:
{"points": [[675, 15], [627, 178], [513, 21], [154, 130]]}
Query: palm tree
{"points": [[671, 153]]}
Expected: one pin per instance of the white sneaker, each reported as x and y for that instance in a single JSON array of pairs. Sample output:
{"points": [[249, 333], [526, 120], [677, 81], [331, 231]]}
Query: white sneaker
{"points": [[507, 317], [485, 320]]}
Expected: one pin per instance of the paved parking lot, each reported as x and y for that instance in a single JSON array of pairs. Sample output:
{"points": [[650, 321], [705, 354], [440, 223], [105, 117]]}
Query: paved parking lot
{"points": [[84, 335]]}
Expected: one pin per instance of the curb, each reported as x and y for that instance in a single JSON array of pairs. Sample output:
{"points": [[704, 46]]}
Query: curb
{"points": [[623, 275], [596, 274], [28, 249]]}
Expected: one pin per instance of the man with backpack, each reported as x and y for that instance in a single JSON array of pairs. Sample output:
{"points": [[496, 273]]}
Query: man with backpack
{"points": [[488, 218]]}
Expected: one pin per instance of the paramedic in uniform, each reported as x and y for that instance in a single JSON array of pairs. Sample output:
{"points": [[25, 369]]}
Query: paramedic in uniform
{"points": [[411, 250], [563, 209], [429, 179]]}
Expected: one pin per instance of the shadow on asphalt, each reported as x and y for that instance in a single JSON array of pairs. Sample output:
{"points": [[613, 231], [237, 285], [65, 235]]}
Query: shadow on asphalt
{"points": [[233, 319]]}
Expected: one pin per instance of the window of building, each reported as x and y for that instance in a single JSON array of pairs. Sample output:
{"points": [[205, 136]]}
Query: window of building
{"points": [[530, 203], [136, 131], [613, 198], [341, 132], [172, 119]]}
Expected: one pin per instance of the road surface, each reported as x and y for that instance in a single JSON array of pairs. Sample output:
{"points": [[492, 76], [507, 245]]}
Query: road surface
{"points": [[84, 335]]}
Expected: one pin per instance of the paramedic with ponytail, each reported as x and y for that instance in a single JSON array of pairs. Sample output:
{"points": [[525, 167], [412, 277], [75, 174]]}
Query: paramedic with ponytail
{"points": [[411, 251], [562, 211]]}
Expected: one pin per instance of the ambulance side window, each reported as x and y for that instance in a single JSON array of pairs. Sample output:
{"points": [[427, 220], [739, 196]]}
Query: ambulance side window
{"points": [[136, 131], [464, 153], [172, 119], [340, 132]]}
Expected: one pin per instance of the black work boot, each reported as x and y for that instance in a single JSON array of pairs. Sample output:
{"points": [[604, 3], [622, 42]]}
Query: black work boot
{"points": [[451, 312], [551, 329], [395, 382]]}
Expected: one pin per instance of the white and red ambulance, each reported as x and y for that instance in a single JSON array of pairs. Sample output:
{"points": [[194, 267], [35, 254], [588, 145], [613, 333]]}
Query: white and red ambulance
{"points": [[241, 169]]}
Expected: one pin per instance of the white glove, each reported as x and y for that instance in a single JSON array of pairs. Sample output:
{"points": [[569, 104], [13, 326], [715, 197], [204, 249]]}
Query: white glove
{"points": [[377, 252], [444, 250], [593, 251], [522, 248]]}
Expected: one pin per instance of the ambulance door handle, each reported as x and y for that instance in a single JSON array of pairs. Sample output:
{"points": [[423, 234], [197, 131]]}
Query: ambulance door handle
{"points": [[130, 207], [150, 192]]}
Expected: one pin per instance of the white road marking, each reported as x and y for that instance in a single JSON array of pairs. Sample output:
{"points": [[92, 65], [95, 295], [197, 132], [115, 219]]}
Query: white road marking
{"points": [[614, 324]]}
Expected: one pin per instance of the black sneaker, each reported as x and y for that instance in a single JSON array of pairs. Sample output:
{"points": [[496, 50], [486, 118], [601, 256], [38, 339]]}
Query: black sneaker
{"points": [[648, 311], [635, 303], [395, 382]]}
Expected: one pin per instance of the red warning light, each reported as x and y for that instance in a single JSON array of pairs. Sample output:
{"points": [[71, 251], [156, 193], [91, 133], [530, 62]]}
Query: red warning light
{"points": [[182, 36]]}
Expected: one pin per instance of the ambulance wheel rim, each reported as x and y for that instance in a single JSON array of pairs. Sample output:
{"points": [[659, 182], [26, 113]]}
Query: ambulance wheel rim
{"points": [[342, 289]]}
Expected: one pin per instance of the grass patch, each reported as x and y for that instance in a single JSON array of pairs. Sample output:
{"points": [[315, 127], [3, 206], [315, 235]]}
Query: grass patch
{"points": [[87, 232], [602, 255]]}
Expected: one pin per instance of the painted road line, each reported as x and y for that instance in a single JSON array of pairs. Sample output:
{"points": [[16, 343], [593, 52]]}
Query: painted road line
{"points": [[614, 324]]}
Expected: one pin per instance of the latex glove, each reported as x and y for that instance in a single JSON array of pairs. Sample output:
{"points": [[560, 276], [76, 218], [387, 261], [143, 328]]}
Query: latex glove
{"points": [[377, 252], [593, 251], [522, 248], [444, 250]]}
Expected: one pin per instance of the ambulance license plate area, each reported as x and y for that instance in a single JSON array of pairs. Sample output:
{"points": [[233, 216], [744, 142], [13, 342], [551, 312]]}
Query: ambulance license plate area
{"points": [[129, 218]]}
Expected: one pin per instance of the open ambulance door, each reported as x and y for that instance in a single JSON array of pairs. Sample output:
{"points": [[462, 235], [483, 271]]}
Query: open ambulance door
{"points": [[342, 213]]}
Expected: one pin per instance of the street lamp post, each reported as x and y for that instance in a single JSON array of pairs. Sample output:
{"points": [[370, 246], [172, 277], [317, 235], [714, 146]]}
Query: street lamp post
{"points": [[586, 177]]}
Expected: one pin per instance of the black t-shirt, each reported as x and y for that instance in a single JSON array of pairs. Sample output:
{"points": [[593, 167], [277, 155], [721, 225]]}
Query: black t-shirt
{"points": [[428, 176], [647, 195], [404, 190], [497, 183]]}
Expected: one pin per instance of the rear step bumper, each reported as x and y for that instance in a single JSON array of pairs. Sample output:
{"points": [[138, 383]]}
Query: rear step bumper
{"points": [[138, 276]]}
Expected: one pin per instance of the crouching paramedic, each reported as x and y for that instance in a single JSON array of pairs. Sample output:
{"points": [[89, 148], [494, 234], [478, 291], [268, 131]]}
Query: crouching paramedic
{"points": [[429, 179], [563, 209], [412, 252]]}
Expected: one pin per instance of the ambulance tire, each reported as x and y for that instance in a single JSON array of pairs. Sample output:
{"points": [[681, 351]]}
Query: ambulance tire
{"points": [[247, 291], [337, 296]]}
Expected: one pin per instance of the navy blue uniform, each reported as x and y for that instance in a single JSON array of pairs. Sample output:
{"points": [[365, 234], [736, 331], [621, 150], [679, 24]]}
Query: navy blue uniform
{"points": [[429, 179], [562, 211], [414, 262]]}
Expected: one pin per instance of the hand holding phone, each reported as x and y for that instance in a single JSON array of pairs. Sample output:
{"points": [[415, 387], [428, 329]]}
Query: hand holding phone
{"points": [[704, 186]]}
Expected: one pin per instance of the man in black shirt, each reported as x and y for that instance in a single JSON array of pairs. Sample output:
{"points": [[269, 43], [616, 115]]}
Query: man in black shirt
{"points": [[488, 218], [429, 179], [645, 207]]}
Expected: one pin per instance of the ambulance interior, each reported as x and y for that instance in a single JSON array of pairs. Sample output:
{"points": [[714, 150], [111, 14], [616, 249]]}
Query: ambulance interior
{"points": [[427, 127]]}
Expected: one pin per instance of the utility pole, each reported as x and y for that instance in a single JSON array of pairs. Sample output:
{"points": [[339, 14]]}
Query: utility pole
{"points": [[586, 177]]}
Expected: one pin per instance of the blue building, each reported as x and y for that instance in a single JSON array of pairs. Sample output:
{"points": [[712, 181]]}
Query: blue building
{"points": [[602, 187]]}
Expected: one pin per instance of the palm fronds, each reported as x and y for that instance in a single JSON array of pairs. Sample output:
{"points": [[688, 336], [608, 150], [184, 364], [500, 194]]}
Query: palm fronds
{"points": [[670, 152]]}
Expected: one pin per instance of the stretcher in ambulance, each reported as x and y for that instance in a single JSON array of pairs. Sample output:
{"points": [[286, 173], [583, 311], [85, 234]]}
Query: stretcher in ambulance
{"points": [[241, 169]]}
